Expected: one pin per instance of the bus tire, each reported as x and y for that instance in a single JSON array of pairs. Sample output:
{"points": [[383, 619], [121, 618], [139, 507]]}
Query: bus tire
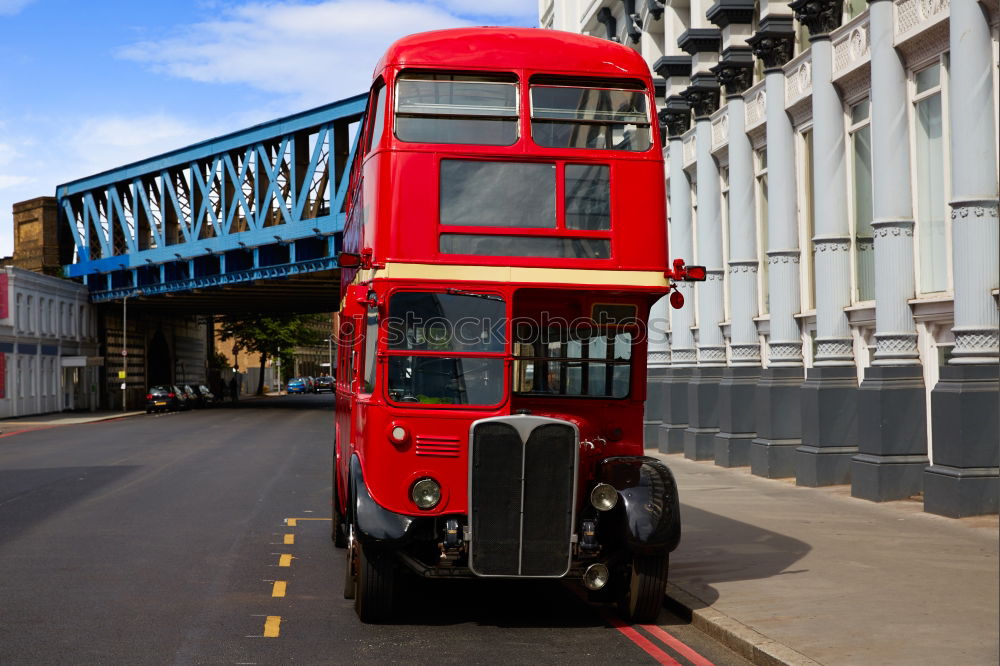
{"points": [[642, 597], [375, 586], [350, 575]]}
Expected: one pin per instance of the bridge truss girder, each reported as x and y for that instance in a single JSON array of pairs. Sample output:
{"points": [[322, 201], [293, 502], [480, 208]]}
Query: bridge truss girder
{"points": [[263, 203]]}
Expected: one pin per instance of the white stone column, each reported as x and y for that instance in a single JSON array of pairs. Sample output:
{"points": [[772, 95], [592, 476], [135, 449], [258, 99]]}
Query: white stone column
{"points": [[743, 260], [965, 477], [975, 259], [711, 344], [737, 389], [832, 240], [895, 331], [785, 343], [892, 404], [682, 350], [829, 394]]}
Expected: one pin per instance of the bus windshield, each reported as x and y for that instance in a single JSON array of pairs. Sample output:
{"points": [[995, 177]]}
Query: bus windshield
{"points": [[446, 348]]}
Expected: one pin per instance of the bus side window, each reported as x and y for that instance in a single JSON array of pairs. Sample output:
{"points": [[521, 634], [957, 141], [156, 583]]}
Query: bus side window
{"points": [[371, 349], [377, 124]]}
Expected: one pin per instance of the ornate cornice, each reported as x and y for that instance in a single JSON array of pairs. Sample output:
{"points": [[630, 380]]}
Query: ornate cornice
{"points": [[703, 95], [676, 115], [774, 42], [728, 12], [821, 16], [610, 23], [735, 71], [700, 40], [673, 66], [632, 21]]}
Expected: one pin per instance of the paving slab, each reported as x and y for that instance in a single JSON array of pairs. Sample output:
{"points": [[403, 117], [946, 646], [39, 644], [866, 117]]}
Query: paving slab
{"points": [[813, 575]]}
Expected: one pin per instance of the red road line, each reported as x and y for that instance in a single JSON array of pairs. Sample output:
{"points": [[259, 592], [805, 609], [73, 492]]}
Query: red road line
{"points": [[651, 649], [683, 649], [18, 432]]}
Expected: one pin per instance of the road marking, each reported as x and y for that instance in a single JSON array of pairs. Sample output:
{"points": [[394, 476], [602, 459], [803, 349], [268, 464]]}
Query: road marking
{"points": [[272, 626], [648, 646], [279, 588], [676, 644], [290, 522], [289, 539], [285, 560]]}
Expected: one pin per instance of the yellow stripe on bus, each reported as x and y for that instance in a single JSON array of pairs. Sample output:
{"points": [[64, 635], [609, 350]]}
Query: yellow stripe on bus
{"points": [[523, 274]]}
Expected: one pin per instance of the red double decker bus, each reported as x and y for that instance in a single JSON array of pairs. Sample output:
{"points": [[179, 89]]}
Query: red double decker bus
{"points": [[504, 242]]}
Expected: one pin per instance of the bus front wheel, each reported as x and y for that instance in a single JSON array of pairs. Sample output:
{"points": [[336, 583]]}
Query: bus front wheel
{"points": [[374, 591], [642, 597]]}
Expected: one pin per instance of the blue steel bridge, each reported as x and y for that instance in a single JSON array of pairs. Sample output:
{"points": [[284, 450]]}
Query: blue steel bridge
{"points": [[250, 221]]}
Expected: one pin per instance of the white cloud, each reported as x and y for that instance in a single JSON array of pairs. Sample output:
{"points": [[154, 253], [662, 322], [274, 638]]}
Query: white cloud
{"points": [[92, 145], [314, 53], [11, 7], [106, 142]]}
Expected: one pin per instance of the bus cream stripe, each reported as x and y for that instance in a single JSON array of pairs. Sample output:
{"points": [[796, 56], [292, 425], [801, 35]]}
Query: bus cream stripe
{"points": [[524, 274]]}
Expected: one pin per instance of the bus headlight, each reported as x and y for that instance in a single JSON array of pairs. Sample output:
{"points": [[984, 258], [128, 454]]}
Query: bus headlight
{"points": [[426, 493], [604, 497]]}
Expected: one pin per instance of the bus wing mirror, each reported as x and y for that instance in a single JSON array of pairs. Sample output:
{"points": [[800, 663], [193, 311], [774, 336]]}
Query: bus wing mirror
{"points": [[348, 260]]}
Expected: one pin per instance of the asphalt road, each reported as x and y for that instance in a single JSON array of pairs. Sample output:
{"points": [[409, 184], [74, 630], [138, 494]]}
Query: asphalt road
{"points": [[165, 539]]}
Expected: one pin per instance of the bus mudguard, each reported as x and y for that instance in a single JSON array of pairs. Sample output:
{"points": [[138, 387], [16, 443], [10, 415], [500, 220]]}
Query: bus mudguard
{"points": [[651, 507], [375, 525]]}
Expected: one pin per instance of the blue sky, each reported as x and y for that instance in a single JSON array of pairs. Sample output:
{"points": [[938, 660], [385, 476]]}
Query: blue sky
{"points": [[87, 85]]}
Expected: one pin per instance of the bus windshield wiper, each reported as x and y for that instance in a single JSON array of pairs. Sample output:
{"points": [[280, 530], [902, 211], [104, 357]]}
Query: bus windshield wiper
{"points": [[461, 292]]}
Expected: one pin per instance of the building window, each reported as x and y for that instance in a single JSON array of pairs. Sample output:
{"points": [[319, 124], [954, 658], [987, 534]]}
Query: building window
{"points": [[853, 8], [29, 325], [862, 209], [760, 176], [930, 183]]}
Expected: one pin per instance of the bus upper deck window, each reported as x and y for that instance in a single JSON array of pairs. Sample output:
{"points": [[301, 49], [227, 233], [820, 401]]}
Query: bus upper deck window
{"points": [[594, 115], [456, 108]]}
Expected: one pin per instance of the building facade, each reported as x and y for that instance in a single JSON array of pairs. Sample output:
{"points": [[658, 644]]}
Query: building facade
{"points": [[833, 164], [48, 345]]}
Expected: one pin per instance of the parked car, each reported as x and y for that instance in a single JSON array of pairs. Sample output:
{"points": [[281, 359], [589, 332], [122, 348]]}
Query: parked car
{"points": [[324, 383], [297, 385], [208, 398], [200, 395], [163, 399], [186, 395]]}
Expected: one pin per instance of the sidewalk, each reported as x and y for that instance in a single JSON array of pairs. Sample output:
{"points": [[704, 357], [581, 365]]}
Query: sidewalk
{"points": [[39, 421], [784, 574]]}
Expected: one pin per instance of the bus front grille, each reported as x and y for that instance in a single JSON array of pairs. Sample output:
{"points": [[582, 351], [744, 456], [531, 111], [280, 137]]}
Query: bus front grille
{"points": [[522, 490]]}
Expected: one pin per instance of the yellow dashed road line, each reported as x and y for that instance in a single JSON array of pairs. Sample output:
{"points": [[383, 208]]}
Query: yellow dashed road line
{"points": [[279, 588], [272, 626], [289, 539], [285, 560]]}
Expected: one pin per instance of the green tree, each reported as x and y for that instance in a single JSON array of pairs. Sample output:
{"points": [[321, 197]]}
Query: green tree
{"points": [[270, 335]]}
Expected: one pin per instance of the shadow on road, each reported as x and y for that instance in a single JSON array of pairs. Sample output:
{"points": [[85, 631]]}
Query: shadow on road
{"points": [[716, 549], [318, 401], [30, 496], [496, 603]]}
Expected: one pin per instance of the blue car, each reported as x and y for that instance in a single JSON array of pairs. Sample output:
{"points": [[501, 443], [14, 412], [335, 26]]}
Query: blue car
{"points": [[297, 385]]}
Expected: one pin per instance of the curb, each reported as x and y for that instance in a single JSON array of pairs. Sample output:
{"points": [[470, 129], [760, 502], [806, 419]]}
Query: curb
{"points": [[741, 639]]}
